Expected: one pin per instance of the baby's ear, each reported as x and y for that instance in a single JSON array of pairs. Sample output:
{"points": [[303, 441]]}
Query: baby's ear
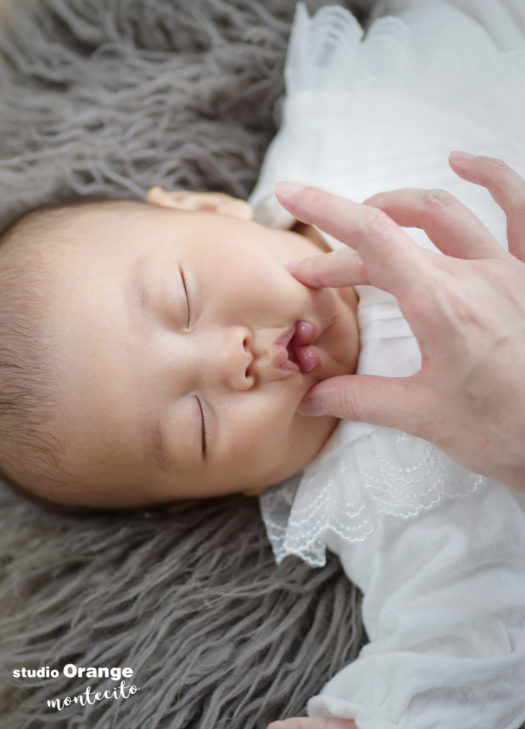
{"points": [[215, 202]]}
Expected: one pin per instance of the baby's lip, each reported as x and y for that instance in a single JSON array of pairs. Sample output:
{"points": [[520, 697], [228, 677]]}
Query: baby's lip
{"points": [[305, 333], [293, 349], [284, 339], [279, 352]]}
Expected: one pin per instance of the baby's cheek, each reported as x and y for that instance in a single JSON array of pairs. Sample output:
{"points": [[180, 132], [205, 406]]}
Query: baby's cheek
{"points": [[307, 438], [251, 440], [263, 442]]}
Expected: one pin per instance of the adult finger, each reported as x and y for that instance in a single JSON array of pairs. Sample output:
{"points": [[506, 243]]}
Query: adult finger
{"points": [[342, 267], [396, 402], [306, 722], [506, 187], [449, 224], [391, 258]]}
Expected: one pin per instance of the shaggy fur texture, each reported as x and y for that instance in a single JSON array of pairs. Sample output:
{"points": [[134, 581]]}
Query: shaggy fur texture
{"points": [[216, 634], [107, 97]]}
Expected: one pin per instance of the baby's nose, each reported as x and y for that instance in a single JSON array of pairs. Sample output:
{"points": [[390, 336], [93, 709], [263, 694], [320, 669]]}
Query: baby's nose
{"points": [[227, 358]]}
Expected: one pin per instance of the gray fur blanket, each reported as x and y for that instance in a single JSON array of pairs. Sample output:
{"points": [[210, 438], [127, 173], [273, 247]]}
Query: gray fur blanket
{"points": [[107, 97]]}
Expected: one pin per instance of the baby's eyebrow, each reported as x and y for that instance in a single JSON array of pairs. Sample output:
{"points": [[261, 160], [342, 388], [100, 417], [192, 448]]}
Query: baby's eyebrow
{"points": [[158, 446], [136, 292]]}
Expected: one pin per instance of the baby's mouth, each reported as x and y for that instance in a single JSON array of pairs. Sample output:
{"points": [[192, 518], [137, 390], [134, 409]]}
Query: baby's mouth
{"points": [[295, 349]]}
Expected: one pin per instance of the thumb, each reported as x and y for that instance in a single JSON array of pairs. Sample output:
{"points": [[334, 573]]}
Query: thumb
{"points": [[395, 402]]}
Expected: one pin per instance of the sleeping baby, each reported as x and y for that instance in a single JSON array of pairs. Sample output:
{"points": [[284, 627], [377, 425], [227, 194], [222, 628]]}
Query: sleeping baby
{"points": [[157, 351], [165, 351]]}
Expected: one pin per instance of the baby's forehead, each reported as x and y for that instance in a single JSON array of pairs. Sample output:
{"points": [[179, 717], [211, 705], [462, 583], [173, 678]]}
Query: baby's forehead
{"points": [[94, 227], [109, 214]]}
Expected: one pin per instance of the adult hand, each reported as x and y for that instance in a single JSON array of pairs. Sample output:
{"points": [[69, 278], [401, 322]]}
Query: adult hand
{"points": [[466, 309], [305, 722]]}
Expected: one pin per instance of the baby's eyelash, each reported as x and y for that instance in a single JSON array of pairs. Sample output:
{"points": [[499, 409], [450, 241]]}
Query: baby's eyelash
{"points": [[204, 434], [187, 295]]}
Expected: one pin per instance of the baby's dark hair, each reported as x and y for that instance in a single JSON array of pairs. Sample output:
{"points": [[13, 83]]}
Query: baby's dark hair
{"points": [[28, 390], [29, 386]]}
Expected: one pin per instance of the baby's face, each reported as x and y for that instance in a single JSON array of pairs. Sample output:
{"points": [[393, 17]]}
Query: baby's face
{"points": [[173, 380]]}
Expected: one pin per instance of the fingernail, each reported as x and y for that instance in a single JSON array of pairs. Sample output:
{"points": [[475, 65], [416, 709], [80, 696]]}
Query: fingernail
{"points": [[291, 266], [461, 156], [311, 406], [288, 189]]}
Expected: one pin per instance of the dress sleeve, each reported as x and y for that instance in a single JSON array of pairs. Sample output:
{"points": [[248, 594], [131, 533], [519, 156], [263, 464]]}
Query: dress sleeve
{"points": [[444, 609]]}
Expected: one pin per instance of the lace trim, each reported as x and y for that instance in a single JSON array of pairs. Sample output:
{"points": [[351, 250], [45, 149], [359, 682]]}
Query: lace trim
{"points": [[350, 489]]}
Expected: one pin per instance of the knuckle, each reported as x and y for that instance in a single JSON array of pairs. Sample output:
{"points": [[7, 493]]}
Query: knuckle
{"points": [[493, 164], [349, 404], [437, 200], [377, 221], [515, 203]]}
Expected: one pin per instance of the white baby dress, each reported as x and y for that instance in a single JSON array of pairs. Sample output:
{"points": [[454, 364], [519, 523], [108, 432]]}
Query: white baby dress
{"points": [[439, 552]]}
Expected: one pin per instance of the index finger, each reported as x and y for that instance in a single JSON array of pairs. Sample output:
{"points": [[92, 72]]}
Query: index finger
{"points": [[390, 257]]}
